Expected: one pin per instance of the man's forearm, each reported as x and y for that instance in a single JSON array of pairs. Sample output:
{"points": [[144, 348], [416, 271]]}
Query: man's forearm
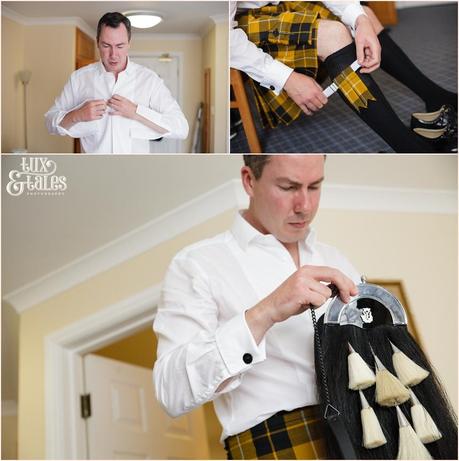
{"points": [[70, 119], [149, 124]]}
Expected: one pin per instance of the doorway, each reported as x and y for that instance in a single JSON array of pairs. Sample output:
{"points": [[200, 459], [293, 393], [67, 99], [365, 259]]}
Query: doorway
{"points": [[65, 352]]}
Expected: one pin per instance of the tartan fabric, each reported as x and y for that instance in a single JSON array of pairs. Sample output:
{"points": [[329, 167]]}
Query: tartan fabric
{"points": [[353, 89], [288, 32], [296, 434]]}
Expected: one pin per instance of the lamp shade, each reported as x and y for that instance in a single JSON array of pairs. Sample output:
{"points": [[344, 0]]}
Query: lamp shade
{"points": [[143, 19]]}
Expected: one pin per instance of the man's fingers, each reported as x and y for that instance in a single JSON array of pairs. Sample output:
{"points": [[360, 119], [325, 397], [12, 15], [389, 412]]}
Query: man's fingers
{"points": [[305, 109], [360, 53], [344, 284], [320, 288]]}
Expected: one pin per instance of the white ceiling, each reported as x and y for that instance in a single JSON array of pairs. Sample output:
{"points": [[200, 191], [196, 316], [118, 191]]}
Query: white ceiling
{"points": [[108, 197], [180, 17]]}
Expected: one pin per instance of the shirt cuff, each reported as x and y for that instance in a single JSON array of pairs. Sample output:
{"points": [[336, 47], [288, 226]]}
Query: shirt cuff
{"points": [[153, 116], [276, 75], [237, 347], [350, 15]]}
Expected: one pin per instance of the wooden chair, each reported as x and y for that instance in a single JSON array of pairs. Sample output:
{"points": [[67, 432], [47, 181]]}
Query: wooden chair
{"points": [[242, 105]]}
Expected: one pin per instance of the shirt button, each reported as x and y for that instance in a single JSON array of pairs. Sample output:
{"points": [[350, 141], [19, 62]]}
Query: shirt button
{"points": [[247, 358], [272, 87]]}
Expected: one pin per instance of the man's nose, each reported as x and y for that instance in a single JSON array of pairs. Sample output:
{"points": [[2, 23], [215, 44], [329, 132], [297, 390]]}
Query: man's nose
{"points": [[301, 201]]}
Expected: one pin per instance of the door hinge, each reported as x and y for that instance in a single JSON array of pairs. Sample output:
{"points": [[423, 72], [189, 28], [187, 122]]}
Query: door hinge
{"points": [[85, 400]]}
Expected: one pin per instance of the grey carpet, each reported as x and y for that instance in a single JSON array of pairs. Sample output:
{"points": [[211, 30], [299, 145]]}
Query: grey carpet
{"points": [[336, 128]]}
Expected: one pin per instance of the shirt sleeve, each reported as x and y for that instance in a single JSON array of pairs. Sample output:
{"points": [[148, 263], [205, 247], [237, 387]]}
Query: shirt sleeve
{"points": [[163, 111], [258, 65], [348, 12], [197, 352], [63, 104]]}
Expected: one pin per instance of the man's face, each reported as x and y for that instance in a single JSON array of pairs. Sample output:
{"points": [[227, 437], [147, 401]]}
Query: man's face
{"points": [[285, 199], [113, 48]]}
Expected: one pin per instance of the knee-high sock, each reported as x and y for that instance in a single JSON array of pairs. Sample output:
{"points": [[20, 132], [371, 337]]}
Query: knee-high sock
{"points": [[379, 115], [396, 63]]}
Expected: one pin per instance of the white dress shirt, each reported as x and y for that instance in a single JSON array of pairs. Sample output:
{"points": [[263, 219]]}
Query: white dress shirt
{"points": [[259, 65], [117, 134], [203, 335]]}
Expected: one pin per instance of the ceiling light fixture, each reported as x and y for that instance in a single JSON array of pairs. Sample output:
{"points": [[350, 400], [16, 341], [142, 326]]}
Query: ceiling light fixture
{"points": [[143, 19]]}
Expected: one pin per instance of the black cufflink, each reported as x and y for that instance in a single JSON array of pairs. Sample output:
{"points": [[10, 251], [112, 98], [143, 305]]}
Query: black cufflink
{"points": [[247, 358], [272, 87]]}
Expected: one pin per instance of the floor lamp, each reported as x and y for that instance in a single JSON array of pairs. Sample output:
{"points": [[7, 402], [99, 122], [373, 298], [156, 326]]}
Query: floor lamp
{"points": [[24, 78]]}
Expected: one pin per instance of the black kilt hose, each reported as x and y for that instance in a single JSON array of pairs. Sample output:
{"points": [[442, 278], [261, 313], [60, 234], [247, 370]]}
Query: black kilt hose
{"points": [[288, 32], [296, 434]]}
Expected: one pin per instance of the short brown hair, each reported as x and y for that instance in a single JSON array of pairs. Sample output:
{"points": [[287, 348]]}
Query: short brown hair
{"points": [[113, 20], [256, 163]]}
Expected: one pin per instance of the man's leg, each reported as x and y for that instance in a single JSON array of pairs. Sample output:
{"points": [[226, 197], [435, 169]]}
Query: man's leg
{"points": [[337, 50], [397, 64]]}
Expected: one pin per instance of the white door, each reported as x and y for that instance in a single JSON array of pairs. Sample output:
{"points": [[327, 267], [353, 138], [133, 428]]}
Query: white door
{"points": [[127, 422], [169, 72]]}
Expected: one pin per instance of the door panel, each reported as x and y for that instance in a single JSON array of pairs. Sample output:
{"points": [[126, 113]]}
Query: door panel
{"points": [[128, 423]]}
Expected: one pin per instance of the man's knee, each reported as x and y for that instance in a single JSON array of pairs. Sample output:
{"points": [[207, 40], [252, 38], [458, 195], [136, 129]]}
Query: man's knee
{"points": [[331, 37]]}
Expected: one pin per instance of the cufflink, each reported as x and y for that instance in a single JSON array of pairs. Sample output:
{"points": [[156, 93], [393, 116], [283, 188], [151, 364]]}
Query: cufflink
{"points": [[247, 358]]}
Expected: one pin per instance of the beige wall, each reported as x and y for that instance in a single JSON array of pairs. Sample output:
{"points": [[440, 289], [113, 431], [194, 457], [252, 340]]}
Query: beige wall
{"points": [[192, 76], [10, 337], [12, 90], [49, 53], [393, 245], [209, 62], [137, 349], [221, 88], [215, 57], [9, 437]]}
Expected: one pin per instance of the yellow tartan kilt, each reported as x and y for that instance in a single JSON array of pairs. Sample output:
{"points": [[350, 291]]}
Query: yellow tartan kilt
{"points": [[296, 434], [288, 32]]}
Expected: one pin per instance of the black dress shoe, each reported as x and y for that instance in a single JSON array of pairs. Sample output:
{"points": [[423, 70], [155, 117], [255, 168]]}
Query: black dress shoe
{"points": [[446, 116], [443, 140]]}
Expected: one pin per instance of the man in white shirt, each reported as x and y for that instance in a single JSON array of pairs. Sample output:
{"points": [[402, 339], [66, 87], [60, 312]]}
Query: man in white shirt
{"points": [[233, 324], [279, 44], [116, 105]]}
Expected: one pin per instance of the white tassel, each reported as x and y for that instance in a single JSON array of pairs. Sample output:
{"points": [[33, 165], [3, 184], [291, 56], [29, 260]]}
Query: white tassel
{"points": [[424, 425], [409, 445], [389, 390], [407, 371], [361, 376], [372, 434]]}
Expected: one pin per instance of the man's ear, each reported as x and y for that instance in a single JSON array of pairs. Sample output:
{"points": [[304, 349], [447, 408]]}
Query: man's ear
{"points": [[248, 180]]}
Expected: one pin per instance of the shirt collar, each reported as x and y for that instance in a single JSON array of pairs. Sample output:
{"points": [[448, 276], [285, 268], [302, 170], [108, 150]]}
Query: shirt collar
{"points": [[245, 233], [129, 67]]}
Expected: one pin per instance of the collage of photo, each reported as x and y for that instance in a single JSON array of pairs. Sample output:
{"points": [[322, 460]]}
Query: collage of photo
{"points": [[229, 229]]}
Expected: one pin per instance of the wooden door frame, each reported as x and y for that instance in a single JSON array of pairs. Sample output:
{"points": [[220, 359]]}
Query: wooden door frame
{"points": [[64, 376]]}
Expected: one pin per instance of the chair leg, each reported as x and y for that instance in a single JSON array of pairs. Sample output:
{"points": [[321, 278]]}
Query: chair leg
{"points": [[242, 104]]}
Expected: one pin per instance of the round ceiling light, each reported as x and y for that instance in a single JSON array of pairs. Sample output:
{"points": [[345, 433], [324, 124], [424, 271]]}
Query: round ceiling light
{"points": [[143, 19]]}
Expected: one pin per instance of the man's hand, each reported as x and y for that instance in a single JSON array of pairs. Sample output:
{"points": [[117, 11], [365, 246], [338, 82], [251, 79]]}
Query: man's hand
{"points": [[89, 111], [301, 291], [122, 106], [306, 92], [367, 45]]}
